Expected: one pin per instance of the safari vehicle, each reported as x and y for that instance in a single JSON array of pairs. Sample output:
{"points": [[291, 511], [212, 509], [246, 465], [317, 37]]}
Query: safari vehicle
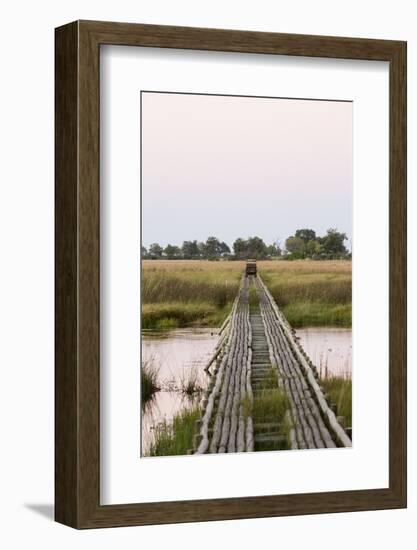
{"points": [[250, 268]]}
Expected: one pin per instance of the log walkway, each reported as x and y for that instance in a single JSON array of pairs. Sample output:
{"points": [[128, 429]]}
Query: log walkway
{"points": [[257, 345]]}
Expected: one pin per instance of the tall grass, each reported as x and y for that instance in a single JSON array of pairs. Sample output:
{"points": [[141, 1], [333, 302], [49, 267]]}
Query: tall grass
{"points": [[270, 380], [181, 314], [254, 306], [311, 293], [188, 292], [339, 390], [190, 281], [149, 383], [269, 406], [190, 382], [318, 314], [175, 438]]}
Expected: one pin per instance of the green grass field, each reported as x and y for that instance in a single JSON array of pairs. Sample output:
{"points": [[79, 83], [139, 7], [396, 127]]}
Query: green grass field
{"points": [[311, 293], [185, 293]]}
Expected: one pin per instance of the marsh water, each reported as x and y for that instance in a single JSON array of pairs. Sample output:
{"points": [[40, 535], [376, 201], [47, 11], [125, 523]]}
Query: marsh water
{"points": [[330, 349], [180, 355]]}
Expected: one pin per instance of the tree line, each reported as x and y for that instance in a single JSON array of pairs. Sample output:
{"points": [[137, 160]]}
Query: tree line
{"points": [[306, 244], [303, 244]]}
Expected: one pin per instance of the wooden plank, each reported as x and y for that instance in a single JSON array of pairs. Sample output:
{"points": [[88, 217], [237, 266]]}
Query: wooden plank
{"points": [[250, 345]]}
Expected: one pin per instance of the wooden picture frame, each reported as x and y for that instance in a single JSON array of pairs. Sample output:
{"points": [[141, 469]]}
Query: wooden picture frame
{"points": [[77, 359]]}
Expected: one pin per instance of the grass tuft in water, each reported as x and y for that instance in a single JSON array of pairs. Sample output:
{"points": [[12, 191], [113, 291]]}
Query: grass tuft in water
{"points": [[149, 383], [189, 382]]}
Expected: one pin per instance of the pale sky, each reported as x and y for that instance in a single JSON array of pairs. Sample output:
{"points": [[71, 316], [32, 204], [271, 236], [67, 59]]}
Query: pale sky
{"points": [[232, 167]]}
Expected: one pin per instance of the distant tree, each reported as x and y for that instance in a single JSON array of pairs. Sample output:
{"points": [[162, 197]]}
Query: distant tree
{"points": [[190, 250], [144, 252], [272, 250], [212, 248], [155, 251], [253, 247], [296, 247], [256, 248], [333, 243], [224, 249], [305, 244], [202, 249], [278, 246], [239, 248], [314, 249], [172, 252], [306, 234]]}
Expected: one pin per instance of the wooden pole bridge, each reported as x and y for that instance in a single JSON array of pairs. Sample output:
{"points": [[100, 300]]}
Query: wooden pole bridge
{"points": [[256, 346]]}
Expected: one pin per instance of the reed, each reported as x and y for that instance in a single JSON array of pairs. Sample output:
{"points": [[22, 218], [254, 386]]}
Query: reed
{"points": [[183, 293], [269, 407], [175, 438], [311, 293], [190, 382], [149, 383], [339, 390]]}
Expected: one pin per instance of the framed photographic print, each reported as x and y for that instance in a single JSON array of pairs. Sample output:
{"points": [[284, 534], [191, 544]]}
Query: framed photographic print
{"points": [[230, 274]]}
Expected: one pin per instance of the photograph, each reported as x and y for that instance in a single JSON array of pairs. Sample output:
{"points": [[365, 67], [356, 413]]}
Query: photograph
{"points": [[246, 273]]}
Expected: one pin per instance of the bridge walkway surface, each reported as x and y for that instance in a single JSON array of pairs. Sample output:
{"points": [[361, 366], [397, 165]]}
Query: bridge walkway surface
{"points": [[264, 394]]}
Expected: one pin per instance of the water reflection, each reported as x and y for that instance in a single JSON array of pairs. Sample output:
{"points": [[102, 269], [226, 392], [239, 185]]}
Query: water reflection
{"points": [[330, 349], [178, 355]]}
